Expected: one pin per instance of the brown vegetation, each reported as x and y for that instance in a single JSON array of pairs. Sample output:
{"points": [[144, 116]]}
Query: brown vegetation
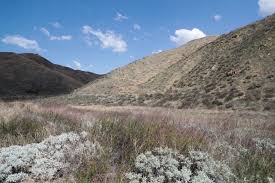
{"points": [[29, 74], [125, 132], [233, 71]]}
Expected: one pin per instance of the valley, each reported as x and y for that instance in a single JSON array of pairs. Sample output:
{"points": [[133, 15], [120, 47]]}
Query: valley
{"points": [[203, 112]]}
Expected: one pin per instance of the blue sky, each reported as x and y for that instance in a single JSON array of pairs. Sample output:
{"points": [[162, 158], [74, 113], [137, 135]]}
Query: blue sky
{"points": [[100, 35]]}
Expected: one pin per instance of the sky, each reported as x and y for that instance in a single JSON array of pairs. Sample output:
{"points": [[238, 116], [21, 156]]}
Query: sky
{"points": [[101, 35]]}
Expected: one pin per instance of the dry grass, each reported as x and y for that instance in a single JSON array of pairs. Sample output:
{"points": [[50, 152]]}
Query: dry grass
{"points": [[125, 132], [128, 79]]}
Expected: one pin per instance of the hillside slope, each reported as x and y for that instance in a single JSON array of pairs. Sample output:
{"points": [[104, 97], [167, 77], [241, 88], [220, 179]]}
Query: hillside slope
{"points": [[31, 74], [132, 78], [234, 71]]}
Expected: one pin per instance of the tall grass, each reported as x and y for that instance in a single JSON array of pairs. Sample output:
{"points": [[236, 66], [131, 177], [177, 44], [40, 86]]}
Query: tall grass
{"points": [[125, 132]]}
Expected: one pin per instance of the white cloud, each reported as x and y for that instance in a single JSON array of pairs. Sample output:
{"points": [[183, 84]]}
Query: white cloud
{"points": [[77, 64], [155, 52], [183, 36], [56, 24], [68, 65], [119, 17], [90, 66], [61, 38], [88, 38], [86, 29], [267, 7], [107, 39], [58, 38], [22, 42], [217, 18], [136, 27], [45, 31]]}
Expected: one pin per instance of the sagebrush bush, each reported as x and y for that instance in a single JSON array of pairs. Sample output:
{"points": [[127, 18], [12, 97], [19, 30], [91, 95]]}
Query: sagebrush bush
{"points": [[164, 165], [270, 180], [238, 139], [46, 160]]}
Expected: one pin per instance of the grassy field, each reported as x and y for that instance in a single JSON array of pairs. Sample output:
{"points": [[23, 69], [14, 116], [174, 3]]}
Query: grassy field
{"points": [[239, 139]]}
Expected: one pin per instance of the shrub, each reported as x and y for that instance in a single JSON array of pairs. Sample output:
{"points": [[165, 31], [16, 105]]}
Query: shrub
{"points": [[270, 180], [166, 165], [47, 160]]}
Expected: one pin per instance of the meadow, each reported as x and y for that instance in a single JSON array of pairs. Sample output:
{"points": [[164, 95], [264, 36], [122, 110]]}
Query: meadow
{"points": [[241, 140]]}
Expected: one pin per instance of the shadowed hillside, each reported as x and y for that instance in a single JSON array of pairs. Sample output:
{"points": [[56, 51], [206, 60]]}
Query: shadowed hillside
{"points": [[233, 71], [30, 74]]}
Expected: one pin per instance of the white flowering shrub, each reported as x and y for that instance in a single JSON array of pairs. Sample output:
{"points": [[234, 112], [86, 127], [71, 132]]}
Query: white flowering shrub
{"points": [[265, 144], [164, 165], [47, 160], [270, 180]]}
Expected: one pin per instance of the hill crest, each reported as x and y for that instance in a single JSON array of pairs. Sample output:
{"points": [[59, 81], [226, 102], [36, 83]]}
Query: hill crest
{"points": [[30, 74]]}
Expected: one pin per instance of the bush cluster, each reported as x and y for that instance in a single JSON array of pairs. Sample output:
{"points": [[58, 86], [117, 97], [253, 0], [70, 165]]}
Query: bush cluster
{"points": [[47, 160], [166, 165]]}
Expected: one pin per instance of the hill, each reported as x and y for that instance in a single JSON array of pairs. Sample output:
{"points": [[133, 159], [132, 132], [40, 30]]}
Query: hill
{"points": [[30, 74], [133, 77], [233, 71]]}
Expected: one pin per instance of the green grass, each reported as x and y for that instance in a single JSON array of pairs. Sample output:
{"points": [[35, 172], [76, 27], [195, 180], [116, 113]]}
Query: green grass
{"points": [[21, 130], [124, 140], [255, 167]]}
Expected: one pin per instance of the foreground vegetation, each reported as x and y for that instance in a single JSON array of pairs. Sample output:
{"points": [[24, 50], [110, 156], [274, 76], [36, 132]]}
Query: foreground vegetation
{"points": [[240, 140]]}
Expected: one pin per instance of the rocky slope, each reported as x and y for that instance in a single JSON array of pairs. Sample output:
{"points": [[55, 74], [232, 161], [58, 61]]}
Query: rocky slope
{"points": [[233, 71], [30, 74]]}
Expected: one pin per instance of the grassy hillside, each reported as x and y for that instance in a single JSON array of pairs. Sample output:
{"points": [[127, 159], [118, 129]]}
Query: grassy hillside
{"points": [[233, 71], [133, 77]]}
